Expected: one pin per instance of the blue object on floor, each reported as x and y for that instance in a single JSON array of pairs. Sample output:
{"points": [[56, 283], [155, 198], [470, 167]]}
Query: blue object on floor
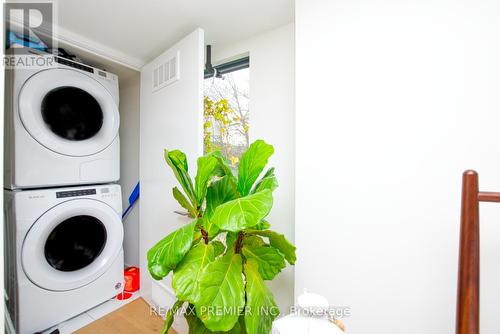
{"points": [[134, 196]]}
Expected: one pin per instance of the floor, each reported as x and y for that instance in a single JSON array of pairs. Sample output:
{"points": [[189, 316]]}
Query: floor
{"points": [[136, 317], [84, 319], [114, 316]]}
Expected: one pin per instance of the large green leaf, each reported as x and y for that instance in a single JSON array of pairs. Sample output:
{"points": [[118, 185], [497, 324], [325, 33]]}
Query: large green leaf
{"points": [[261, 309], [222, 296], [240, 327], [169, 316], [231, 238], [169, 251], [220, 192], [253, 240], [178, 163], [279, 241], [206, 168], [186, 275], [263, 225], [184, 202], [251, 165], [268, 181], [271, 261], [209, 227], [219, 248], [196, 326], [224, 167], [244, 212]]}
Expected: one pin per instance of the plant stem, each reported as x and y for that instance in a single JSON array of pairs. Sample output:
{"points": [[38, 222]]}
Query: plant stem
{"points": [[204, 235], [239, 242]]}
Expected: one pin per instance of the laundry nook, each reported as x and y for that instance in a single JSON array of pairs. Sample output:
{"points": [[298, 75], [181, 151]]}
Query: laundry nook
{"points": [[250, 167], [64, 236]]}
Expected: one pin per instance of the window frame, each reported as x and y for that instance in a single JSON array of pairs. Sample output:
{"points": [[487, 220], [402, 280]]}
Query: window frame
{"points": [[230, 66]]}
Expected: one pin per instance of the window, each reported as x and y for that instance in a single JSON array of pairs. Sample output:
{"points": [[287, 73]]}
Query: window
{"points": [[226, 100]]}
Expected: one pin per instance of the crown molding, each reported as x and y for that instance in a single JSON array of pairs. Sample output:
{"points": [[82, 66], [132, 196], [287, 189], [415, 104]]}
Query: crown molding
{"points": [[62, 35], [85, 44]]}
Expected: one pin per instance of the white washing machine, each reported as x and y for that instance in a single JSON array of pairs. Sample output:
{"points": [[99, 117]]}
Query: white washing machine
{"points": [[61, 126], [64, 253]]}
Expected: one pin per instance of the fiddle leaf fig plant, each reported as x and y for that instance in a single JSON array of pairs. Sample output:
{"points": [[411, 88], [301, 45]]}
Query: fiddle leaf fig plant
{"points": [[222, 258]]}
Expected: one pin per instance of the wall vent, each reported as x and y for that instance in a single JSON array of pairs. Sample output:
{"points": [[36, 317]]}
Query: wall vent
{"points": [[166, 73]]}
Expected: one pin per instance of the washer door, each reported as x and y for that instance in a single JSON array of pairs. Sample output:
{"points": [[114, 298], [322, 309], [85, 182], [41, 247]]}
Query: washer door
{"points": [[72, 244], [68, 112]]}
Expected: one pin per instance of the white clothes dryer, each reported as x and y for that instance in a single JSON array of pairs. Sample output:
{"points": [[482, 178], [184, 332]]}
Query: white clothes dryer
{"points": [[61, 126]]}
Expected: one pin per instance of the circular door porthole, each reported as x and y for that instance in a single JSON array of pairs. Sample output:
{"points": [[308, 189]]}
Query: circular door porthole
{"points": [[75, 243], [72, 244], [72, 113], [68, 112]]}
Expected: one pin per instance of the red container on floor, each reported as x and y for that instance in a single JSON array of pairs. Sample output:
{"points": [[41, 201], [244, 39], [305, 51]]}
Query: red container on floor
{"points": [[124, 295], [132, 279]]}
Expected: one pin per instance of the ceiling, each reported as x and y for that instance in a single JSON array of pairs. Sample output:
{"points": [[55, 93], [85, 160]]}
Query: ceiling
{"points": [[134, 32]]}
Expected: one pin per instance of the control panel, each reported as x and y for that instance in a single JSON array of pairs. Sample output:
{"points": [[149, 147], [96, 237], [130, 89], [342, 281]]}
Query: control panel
{"points": [[73, 64], [96, 72], [75, 193]]}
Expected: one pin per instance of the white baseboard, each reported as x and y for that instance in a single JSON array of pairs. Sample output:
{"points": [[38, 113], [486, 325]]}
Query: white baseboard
{"points": [[164, 297]]}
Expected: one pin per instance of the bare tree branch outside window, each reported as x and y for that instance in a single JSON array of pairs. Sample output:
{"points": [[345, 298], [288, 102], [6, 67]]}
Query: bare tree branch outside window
{"points": [[226, 114]]}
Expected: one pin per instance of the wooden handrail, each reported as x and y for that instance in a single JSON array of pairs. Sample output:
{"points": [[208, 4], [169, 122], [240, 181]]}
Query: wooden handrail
{"points": [[467, 321], [484, 196], [468, 267]]}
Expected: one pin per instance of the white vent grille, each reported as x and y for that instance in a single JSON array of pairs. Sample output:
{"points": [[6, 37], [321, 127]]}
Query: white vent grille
{"points": [[166, 73]]}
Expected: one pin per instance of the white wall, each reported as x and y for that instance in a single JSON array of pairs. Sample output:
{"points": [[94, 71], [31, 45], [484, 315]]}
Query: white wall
{"points": [[170, 118], [2, 96], [129, 162], [272, 119], [129, 85], [395, 99]]}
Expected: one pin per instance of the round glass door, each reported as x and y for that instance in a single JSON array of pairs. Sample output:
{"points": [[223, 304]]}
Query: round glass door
{"points": [[75, 243], [72, 244], [69, 112], [72, 113]]}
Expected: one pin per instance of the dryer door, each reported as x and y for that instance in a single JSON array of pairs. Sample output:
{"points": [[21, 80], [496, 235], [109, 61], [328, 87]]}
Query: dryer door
{"points": [[68, 112], [72, 244]]}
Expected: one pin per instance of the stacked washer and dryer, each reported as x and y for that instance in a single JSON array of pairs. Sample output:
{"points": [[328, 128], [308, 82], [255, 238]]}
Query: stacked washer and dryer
{"points": [[63, 229]]}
